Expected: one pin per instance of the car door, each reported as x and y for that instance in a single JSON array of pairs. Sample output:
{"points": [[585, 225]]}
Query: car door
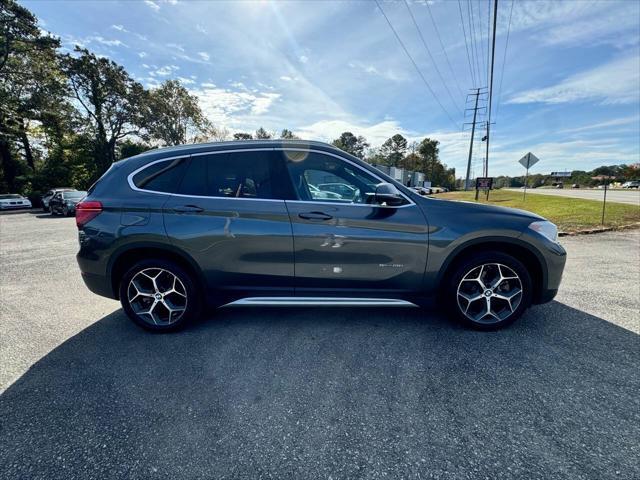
{"points": [[349, 246], [229, 214], [56, 201]]}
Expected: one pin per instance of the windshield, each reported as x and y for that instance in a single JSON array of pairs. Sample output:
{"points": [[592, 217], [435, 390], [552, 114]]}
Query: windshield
{"points": [[10, 195]]}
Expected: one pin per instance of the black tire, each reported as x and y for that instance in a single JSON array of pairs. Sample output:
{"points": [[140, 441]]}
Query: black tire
{"points": [[65, 211], [167, 323], [52, 211], [496, 263]]}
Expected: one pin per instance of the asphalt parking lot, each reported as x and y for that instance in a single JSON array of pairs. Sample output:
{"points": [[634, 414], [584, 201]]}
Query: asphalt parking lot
{"points": [[316, 393]]}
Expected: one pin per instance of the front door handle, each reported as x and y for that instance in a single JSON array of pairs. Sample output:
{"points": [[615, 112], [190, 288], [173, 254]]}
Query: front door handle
{"points": [[315, 216], [188, 209]]}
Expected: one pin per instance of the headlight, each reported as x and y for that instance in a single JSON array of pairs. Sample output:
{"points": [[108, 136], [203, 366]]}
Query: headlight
{"points": [[546, 229]]}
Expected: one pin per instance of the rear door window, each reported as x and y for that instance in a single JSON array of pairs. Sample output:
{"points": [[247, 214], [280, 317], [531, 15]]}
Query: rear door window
{"points": [[248, 175]]}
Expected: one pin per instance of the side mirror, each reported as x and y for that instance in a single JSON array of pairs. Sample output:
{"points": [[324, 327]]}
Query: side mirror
{"points": [[387, 193]]}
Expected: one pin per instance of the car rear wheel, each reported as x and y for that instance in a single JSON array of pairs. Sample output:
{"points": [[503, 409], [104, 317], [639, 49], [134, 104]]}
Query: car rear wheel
{"points": [[488, 291], [159, 295]]}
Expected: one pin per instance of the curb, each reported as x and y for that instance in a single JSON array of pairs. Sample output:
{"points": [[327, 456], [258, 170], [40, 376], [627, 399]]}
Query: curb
{"points": [[631, 226]]}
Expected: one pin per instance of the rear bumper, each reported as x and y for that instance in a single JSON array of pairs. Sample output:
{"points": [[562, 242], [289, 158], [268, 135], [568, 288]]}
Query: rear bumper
{"points": [[98, 284]]}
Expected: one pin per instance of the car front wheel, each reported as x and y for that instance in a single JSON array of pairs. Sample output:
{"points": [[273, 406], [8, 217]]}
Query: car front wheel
{"points": [[159, 295], [489, 290]]}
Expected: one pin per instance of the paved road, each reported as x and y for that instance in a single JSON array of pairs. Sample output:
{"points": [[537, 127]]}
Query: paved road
{"points": [[631, 197], [320, 393]]}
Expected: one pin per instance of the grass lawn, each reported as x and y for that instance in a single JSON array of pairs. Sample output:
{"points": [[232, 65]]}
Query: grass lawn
{"points": [[570, 214]]}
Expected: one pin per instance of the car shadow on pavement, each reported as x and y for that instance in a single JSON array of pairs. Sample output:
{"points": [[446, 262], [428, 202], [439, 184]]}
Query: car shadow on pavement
{"points": [[346, 393]]}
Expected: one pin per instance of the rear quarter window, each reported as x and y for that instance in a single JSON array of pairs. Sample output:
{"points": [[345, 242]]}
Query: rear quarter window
{"points": [[164, 176]]}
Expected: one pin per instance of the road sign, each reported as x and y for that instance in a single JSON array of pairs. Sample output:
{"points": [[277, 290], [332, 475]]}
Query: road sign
{"points": [[561, 174], [529, 160], [484, 183]]}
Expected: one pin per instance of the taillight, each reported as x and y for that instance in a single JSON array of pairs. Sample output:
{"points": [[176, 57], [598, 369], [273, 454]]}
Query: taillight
{"points": [[87, 211]]}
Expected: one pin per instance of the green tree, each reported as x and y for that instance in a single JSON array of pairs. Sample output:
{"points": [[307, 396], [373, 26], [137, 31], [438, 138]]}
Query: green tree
{"points": [[31, 88], [129, 148], [394, 149], [262, 134], [288, 135], [174, 116], [242, 136], [113, 104], [348, 142], [429, 154]]}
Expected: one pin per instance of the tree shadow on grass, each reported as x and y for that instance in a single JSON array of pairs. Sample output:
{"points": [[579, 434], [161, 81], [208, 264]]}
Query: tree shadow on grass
{"points": [[347, 393]]}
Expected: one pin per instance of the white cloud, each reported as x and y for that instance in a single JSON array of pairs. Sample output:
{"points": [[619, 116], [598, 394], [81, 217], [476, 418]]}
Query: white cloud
{"points": [[166, 70], [201, 29], [386, 73], [595, 23], [120, 28], [105, 41], [286, 78], [613, 83], [175, 46], [303, 59], [186, 81], [226, 106], [204, 56], [142, 54], [152, 5]]}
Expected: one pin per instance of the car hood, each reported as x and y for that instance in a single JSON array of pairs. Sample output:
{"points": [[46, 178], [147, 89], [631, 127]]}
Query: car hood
{"points": [[483, 208]]}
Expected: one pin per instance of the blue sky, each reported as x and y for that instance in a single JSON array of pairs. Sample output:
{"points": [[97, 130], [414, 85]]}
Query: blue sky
{"points": [[570, 89]]}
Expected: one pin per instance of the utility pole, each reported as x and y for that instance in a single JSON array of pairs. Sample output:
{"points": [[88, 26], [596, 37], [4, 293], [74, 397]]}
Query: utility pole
{"points": [[473, 132], [493, 57]]}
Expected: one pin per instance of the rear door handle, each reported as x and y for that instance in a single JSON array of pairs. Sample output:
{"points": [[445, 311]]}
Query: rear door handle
{"points": [[188, 209], [315, 216]]}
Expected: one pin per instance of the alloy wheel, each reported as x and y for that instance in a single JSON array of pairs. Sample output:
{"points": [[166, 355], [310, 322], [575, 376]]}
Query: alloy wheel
{"points": [[489, 293], [157, 296]]}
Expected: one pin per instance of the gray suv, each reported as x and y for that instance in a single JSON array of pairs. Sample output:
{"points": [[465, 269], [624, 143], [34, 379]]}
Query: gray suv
{"points": [[176, 230]]}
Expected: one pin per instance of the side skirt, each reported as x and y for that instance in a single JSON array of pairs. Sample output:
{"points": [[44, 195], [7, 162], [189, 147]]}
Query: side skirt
{"points": [[319, 302]]}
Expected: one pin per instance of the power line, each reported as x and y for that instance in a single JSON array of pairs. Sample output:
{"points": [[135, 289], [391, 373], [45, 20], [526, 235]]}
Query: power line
{"points": [[466, 44], [435, 64], [415, 64], [446, 56], [504, 59], [488, 34], [472, 28], [477, 25]]}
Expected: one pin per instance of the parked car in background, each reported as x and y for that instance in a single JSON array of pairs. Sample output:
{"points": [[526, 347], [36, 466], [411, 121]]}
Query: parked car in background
{"points": [[631, 184], [46, 198], [424, 191], [12, 201], [345, 191], [323, 194], [575, 185], [174, 230], [64, 203]]}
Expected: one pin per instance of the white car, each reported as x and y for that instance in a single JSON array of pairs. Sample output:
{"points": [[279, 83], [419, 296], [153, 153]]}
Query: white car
{"points": [[318, 194], [12, 201], [631, 184]]}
